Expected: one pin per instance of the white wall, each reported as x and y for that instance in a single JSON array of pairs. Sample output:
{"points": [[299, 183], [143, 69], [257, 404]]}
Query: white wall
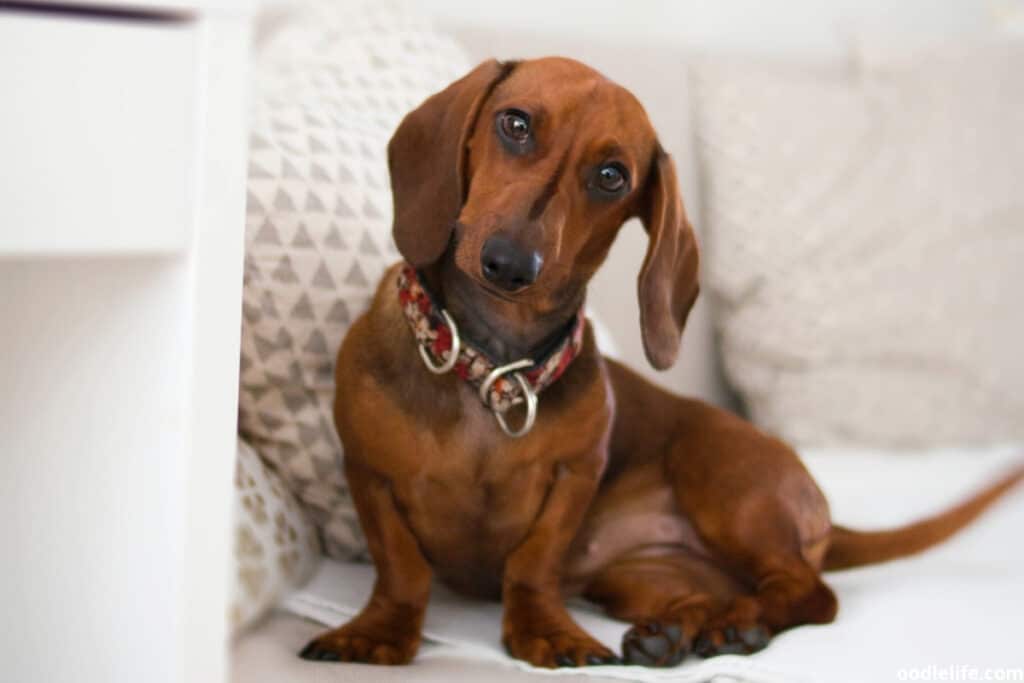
{"points": [[746, 25]]}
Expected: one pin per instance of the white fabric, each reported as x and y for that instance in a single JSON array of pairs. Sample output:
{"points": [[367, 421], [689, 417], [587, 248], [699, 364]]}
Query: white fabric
{"points": [[276, 544], [864, 234], [266, 654], [958, 604]]}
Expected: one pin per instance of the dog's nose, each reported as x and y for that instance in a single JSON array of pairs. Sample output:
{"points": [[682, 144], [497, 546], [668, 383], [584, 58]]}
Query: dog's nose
{"points": [[509, 265]]}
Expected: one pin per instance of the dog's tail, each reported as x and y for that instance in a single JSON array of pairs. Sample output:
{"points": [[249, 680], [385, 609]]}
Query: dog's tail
{"points": [[850, 548]]}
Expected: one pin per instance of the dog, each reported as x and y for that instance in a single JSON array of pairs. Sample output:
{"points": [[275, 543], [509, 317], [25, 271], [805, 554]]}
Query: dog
{"points": [[488, 443]]}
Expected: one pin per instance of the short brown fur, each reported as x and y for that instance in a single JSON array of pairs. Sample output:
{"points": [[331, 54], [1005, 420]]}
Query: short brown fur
{"points": [[706, 533]]}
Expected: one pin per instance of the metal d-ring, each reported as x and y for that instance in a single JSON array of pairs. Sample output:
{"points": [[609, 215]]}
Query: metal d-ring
{"points": [[531, 410], [528, 394], [453, 353]]}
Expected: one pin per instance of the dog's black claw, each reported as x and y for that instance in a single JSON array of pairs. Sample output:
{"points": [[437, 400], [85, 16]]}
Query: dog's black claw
{"points": [[313, 653], [730, 634], [564, 660], [756, 638], [595, 660], [704, 647]]}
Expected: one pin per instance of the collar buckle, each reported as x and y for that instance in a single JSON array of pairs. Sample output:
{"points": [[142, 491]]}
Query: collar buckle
{"points": [[528, 393]]}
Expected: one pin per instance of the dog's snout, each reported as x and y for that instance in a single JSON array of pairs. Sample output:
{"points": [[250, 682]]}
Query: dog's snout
{"points": [[509, 265]]}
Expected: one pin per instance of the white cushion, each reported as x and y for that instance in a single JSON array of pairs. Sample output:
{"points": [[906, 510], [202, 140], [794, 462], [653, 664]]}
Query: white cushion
{"points": [[954, 605], [276, 544], [330, 87], [864, 242]]}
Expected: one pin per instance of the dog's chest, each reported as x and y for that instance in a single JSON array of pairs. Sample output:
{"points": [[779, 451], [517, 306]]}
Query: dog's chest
{"points": [[473, 502]]}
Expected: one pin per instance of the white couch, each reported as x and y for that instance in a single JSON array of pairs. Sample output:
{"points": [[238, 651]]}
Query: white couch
{"points": [[948, 608]]}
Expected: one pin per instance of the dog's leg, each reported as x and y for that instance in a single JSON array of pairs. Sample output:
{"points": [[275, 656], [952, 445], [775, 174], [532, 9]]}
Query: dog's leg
{"points": [[762, 517], [789, 593], [754, 507], [387, 631], [668, 598], [536, 626]]}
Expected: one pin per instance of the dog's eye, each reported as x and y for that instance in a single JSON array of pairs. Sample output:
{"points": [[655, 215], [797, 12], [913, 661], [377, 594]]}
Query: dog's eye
{"points": [[514, 126], [612, 178]]}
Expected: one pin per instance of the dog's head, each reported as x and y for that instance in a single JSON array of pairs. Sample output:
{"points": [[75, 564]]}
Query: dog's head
{"points": [[522, 174]]}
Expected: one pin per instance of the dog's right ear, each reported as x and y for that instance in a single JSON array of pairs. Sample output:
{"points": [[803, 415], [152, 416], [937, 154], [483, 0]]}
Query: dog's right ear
{"points": [[427, 159]]}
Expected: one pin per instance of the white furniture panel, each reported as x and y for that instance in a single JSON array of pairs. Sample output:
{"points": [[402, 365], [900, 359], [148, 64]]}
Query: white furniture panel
{"points": [[122, 209], [97, 134], [93, 426]]}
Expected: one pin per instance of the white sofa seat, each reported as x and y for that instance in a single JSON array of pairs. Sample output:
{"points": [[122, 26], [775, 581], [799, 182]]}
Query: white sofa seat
{"points": [[956, 605]]}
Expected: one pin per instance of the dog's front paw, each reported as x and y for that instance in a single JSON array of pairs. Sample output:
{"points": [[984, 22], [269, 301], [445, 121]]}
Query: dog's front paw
{"points": [[352, 644], [562, 648]]}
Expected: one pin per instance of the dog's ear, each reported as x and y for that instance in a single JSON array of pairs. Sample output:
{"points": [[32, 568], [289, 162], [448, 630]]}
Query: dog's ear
{"points": [[668, 284], [426, 158]]}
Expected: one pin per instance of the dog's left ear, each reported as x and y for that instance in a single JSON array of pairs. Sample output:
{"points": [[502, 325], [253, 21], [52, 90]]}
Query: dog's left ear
{"points": [[668, 284], [426, 158]]}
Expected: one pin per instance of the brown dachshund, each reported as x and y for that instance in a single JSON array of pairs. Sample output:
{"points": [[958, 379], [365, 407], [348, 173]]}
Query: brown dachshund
{"points": [[707, 534]]}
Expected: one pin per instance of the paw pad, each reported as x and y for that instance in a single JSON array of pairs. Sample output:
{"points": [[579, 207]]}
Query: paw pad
{"points": [[732, 641], [654, 644]]}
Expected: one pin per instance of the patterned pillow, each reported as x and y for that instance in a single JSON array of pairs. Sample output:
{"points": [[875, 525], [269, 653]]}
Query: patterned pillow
{"points": [[276, 544], [330, 88], [864, 241]]}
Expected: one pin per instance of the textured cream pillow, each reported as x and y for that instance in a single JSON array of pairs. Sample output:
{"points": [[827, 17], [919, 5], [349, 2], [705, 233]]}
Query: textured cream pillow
{"points": [[276, 544], [864, 235], [331, 86]]}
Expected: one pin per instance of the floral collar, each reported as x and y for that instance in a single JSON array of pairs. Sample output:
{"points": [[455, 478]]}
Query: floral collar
{"points": [[500, 387]]}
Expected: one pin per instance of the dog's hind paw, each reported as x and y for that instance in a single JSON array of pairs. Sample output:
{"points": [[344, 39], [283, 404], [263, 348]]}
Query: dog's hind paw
{"points": [[732, 640], [655, 644]]}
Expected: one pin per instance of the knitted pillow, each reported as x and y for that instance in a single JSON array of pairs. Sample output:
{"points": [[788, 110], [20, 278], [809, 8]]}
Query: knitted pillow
{"points": [[864, 241], [330, 88], [276, 544]]}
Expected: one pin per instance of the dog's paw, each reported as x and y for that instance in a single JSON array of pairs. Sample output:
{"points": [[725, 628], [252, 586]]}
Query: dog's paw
{"points": [[348, 644], [559, 649], [739, 639], [655, 644], [739, 630]]}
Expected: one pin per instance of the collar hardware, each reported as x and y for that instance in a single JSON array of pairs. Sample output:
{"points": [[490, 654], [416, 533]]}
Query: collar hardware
{"points": [[453, 352], [500, 387]]}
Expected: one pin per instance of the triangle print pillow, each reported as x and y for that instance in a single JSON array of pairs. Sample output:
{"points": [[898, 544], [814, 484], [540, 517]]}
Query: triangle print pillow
{"points": [[328, 93]]}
